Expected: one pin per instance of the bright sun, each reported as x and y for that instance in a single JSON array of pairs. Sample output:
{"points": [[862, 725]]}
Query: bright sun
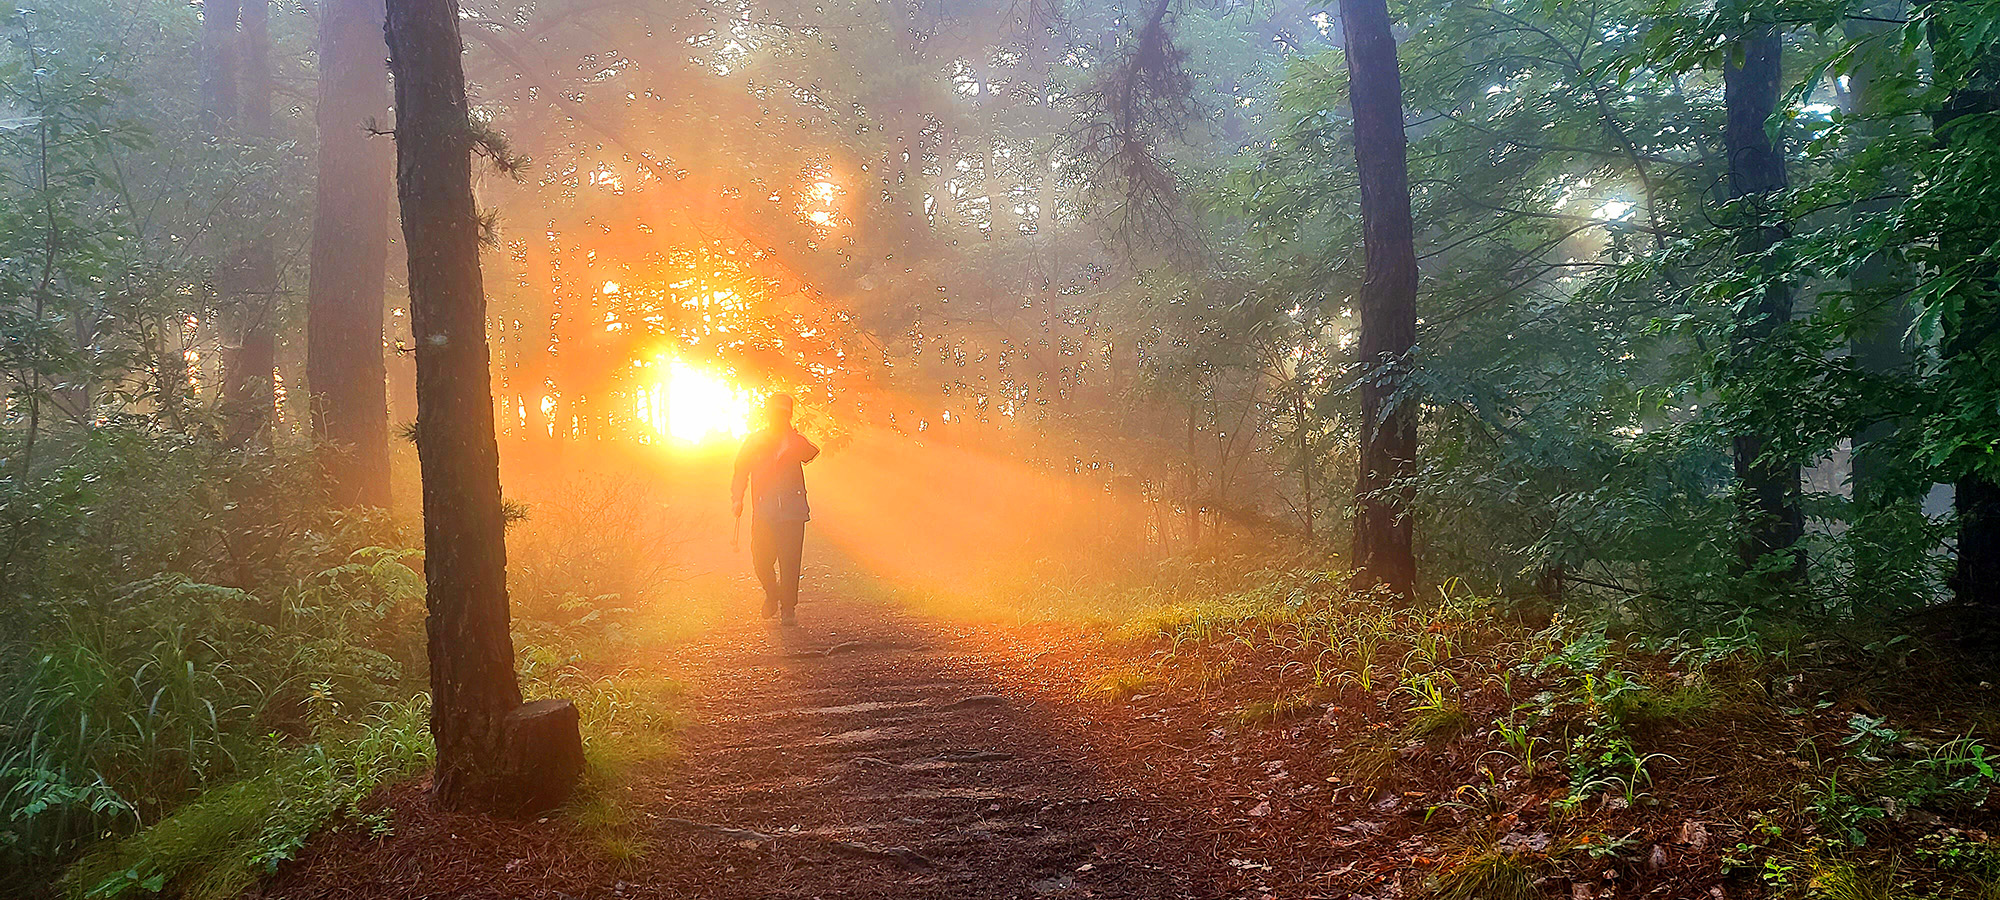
{"points": [[694, 405]]}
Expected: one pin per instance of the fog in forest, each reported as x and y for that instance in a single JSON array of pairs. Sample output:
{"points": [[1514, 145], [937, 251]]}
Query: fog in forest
{"points": [[1511, 412]]}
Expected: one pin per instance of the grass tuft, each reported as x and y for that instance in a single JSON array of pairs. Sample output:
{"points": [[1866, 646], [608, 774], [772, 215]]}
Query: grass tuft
{"points": [[1123, 684], [1848, 881], [1371, 763], [624, 851], [628, 719], [1273, 712], [1439, 725], [1488, 874], [1689, 703]]}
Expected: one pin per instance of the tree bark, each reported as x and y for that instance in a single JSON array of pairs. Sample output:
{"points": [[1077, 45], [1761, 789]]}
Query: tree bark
{"points": [[1383, 533], [1879, 346], [1968, 339], [1305, 454], [218, 74], [1193, 483], [249, 374], [1770, 520], [345, 372], [218, 116], [473, 689]]}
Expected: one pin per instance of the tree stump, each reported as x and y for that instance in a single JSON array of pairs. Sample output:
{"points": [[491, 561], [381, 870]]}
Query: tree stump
{"points": [[544, 756]]}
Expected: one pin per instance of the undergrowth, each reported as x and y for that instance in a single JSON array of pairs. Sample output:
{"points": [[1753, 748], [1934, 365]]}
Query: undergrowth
{"points": [[1487, 874], [628, 720], [1566, 747], [208, 666], [218, 845]]}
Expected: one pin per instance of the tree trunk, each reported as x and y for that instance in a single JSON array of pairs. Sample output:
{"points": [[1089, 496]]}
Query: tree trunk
{"points": [[1768, 500], [1966, 347], [218, 115], [1879, 347], [345, 372], [1975, 580], [1383, 553], [218, 74], [249, 383], [1193, 484], [1305, 455], [171, 370], [473, 689]]}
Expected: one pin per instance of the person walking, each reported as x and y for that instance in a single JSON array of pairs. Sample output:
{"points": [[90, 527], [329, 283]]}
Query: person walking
{"points": [[771, 465]]}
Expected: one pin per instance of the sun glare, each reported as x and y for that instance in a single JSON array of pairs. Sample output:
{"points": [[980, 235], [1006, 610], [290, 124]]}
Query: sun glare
{"points": [[694, 405]]}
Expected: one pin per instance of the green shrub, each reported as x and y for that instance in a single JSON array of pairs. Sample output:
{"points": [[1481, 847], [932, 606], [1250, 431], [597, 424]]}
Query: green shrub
{"points": [[128, 715], [218, 845], [170, 686]]}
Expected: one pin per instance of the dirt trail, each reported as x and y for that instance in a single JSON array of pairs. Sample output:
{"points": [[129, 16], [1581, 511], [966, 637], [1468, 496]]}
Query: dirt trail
{"points": [[867, 754], [878, 755]]}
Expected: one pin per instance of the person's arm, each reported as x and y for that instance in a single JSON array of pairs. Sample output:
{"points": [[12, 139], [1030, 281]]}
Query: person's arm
{"points": [[740, 479], [799, 449]]}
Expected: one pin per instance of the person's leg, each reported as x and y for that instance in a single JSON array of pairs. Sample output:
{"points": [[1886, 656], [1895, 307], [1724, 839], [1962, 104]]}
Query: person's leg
{"points": [[790, 538], [764, 556]]}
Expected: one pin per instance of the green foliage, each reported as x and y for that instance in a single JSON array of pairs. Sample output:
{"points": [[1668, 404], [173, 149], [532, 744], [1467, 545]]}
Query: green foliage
{"points": [[1520, 745], [185, 616], [1761, 833], [173, 685], [1848, 881], [1840, 811], [218, 845], [1954, 850], [1580, 357], [1487, 875], [1276, 711], [221, 727], [196, 735], [1605, 708]]}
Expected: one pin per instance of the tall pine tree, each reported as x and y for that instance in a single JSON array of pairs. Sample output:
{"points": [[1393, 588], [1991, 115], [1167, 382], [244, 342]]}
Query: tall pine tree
{"points": [[345, 373], [492, 752], [1388, 309], [1767, 480]]}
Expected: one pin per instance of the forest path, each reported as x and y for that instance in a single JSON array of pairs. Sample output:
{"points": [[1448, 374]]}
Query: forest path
{"points": [[869, 753]]}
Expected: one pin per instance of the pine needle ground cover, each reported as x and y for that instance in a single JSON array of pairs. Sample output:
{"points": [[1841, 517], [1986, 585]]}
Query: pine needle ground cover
{"points": [[1465, 747]]}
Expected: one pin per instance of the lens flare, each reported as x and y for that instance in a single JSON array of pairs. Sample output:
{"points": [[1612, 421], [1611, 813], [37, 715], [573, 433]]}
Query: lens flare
{"points": [[694, 405]]}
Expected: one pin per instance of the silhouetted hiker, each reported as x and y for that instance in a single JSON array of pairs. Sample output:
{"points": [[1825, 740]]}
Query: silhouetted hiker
{"points": [[772, 465]]}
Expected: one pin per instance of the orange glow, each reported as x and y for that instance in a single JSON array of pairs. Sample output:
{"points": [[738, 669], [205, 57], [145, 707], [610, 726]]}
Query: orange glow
{"points": [[694, 405], [819, 201], [944, 517]]}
